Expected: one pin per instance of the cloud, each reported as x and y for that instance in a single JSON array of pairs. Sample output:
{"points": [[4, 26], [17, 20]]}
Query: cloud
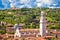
{"points": [[12, 3], [47, 1], [54, 4], [21, 6], [42, 3], [30, 3], [5, 3], [53, 7], [39, 4], [26, 3], [16, 2], [10, 0]]}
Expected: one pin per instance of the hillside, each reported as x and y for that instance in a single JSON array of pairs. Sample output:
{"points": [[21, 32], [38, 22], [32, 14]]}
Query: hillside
{"points": [[30, 17]]}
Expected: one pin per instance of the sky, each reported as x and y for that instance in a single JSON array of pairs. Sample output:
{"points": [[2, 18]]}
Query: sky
{"points": [[7, 4]]}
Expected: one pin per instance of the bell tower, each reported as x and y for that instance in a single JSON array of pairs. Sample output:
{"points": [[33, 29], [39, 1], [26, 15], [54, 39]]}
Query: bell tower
{"points": [[43, 24]]}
